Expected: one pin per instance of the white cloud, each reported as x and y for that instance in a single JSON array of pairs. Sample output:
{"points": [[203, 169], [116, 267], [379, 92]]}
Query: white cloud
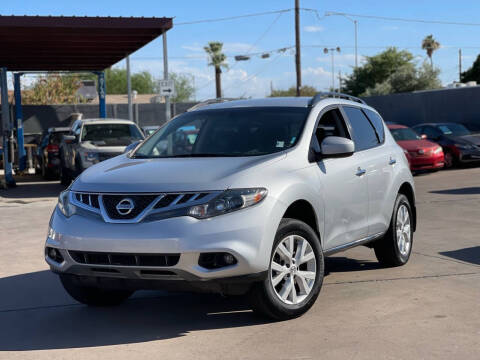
{"points": [[313, 28]]}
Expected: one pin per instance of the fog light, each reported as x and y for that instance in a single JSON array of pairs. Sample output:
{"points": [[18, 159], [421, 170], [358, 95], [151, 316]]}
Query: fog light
{"points": [[216, 260], [54, 254]]}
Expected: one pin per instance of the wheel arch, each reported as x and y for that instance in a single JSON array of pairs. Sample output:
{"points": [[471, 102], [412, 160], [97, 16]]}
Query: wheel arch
{"points": [[407, 189], [304, 211]]}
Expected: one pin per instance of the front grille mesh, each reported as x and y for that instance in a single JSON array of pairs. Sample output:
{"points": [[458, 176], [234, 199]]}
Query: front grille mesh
{"points": [[108, 204], [140, 202], [124, 259], [88, 199]]}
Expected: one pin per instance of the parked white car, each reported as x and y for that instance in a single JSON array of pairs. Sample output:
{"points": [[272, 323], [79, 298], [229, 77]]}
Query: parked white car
{"points": [[93, 140], [240, 197]]}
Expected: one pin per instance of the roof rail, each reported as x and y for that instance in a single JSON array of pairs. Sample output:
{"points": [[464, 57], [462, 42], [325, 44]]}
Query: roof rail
{"points": [[209, 102], [325, 95]]}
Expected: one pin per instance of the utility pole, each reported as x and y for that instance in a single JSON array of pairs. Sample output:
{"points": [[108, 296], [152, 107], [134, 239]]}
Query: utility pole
{"points": [[459, 65], [297, 46]]}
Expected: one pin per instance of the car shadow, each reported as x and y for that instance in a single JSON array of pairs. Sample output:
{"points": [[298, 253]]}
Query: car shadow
{"points": [[32, 188], [475, 190], [470, 255], [36, 314], [338, 264]]}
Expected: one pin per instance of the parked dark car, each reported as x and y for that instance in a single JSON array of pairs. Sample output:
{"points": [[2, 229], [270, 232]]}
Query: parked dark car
{"points": [[48, 155], [459, 144]]}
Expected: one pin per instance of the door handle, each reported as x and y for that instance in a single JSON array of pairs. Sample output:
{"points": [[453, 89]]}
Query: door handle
{"points": [[360, 171], [392, 161]]}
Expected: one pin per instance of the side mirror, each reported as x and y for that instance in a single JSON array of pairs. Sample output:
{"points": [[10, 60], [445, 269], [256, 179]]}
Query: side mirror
{"points": [[69, 139], [131, 146], [423, 136], [335, 146]]}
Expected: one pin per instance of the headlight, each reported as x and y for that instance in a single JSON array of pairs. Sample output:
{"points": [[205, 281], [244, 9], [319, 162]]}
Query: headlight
{"points": [[228, 201], [437, 150], [64, 205], [90, 156], [465, 146]]}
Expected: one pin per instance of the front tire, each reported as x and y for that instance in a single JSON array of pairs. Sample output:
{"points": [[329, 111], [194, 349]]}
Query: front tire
{"points": [[295, 274], [395, 247], [93, 296]]}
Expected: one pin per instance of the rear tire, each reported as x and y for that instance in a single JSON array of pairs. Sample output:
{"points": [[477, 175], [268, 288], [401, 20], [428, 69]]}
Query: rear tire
{"points": [[93, 296], [395, 247], [295, 274]]}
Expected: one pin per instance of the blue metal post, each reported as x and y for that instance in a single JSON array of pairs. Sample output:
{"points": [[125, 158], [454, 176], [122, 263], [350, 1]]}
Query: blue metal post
{"points": [[102, 92], [6, 129], [22, 162]]}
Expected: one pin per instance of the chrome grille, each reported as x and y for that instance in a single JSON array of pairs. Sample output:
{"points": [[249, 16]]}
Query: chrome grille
{"points": [[144, 206]]}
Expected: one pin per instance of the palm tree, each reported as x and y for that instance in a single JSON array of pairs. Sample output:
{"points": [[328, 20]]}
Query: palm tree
{"points": [[217, 60], [430, 45]]}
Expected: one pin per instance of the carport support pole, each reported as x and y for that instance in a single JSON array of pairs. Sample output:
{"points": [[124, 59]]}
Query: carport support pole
{"points": [[102, 91], [168, 114], [6, 129], [19, 117], [129, 91]]}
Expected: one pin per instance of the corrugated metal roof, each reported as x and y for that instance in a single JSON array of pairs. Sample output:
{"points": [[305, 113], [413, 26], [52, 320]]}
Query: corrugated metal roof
{"points": [[70, 43]]}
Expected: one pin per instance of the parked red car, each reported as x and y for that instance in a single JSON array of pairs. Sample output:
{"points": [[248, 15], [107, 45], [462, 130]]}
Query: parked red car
{"points": [[421, 154]]}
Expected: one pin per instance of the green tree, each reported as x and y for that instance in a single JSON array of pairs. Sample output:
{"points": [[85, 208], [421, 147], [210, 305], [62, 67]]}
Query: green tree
{"points": [[430, 45], [472, 74], [116, 81], [292, 91], [376, 70], [217, 60], [184, 89], [407, 78], [53, 89]]}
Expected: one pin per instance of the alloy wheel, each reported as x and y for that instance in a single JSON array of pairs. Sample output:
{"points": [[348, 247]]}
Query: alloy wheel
{"points": [[404, 232], [293, 269]]}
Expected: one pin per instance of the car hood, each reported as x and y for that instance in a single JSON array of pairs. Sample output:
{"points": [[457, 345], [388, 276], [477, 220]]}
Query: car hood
{"points": [[474, 139], [414, 145], [123, 174]]}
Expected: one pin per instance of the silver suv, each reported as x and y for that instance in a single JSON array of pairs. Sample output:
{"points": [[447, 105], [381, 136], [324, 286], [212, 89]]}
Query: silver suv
{"points": [[93, 140], [241, 197]]}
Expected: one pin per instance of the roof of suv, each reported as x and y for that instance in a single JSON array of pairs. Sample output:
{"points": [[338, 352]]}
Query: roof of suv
{"points": [[105, 121], [274, 101]]}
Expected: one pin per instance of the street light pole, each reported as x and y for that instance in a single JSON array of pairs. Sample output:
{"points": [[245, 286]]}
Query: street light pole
{"points": [[297, 48], [332, 53], [356, 43], [355, 23]]}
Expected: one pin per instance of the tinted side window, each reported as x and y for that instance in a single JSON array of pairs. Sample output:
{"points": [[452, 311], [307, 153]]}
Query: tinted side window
{"points": [[377, 123], [431, 132], [364, 134]]}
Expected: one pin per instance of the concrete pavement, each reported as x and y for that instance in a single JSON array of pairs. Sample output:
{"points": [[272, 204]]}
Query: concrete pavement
{"points": [[428, 309]]}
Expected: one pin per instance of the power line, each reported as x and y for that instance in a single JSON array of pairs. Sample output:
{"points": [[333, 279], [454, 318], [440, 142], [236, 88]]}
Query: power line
{"points": [[388, 18], [233, 17]]}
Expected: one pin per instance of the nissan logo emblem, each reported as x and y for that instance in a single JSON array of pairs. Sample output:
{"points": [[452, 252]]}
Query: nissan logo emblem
{"points": [[125, 206]]}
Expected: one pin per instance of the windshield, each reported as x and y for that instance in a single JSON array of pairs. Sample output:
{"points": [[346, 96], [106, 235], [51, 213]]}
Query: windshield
{"points": [[227, 132], [403, 134], [111, 134], [454, 129]]}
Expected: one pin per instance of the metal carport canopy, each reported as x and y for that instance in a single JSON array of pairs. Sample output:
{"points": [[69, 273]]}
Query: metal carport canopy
{"points": [[62, 43]]}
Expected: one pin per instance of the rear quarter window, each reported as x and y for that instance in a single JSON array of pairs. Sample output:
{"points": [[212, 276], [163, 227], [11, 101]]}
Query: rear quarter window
{"points": [[377, 123], [364, 134]]}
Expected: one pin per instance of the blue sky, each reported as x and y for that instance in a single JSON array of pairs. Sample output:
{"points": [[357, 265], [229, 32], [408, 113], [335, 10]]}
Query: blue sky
{"points": [[258, 34]]}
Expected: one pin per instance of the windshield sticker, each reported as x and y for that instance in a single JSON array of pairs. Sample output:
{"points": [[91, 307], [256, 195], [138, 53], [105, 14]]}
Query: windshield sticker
{"points": [[445, 130], [280, 144]]}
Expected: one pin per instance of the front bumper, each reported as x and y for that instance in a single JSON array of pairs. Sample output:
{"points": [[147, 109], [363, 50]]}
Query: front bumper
{"points": [[246, 234], [431, 162]]}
